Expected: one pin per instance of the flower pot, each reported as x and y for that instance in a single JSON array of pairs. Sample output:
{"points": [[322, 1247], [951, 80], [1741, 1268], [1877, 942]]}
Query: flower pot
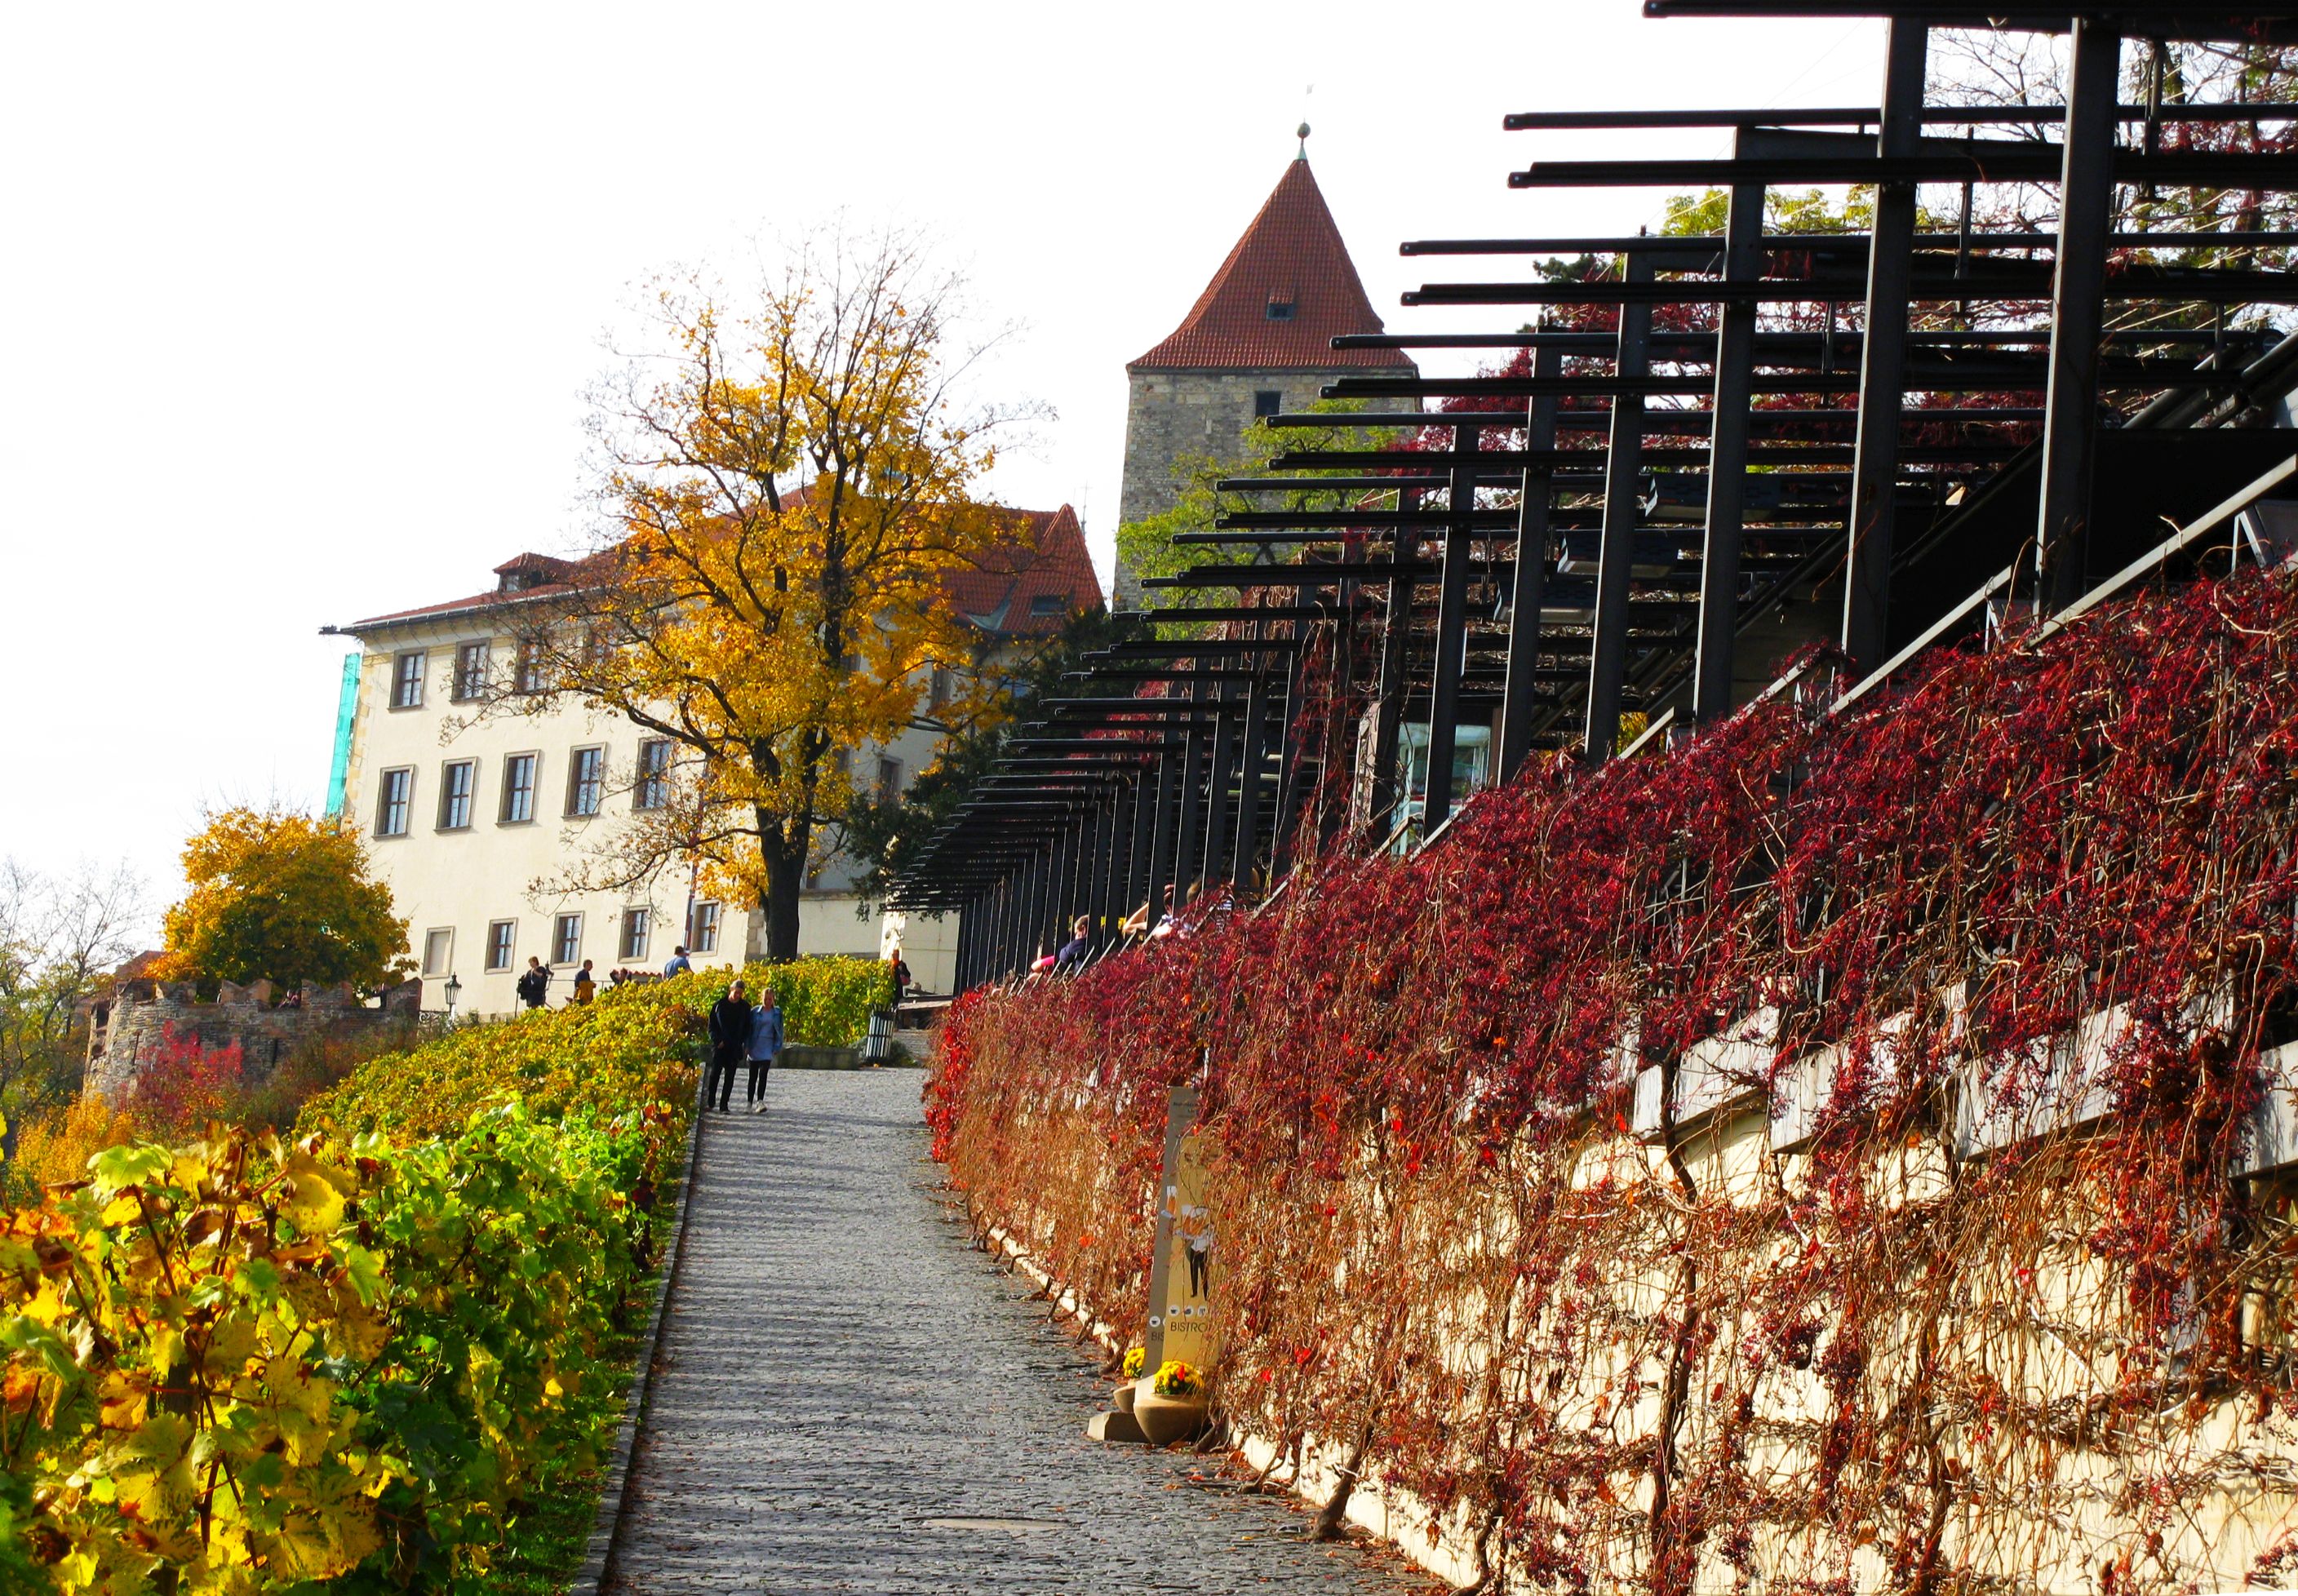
{"points": [[1122, 1398], [1165, 1419]]}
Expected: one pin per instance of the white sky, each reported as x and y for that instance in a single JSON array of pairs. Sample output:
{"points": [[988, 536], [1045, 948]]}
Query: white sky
{"points": [[296, 302]]}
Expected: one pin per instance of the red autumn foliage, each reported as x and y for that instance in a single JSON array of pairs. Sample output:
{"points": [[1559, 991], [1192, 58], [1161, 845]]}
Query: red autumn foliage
{"points": [[1627, 1360]]}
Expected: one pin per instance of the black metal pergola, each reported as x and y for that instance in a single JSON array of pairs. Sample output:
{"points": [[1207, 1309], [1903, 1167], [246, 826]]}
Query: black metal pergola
{"points": [[1672, 482]]}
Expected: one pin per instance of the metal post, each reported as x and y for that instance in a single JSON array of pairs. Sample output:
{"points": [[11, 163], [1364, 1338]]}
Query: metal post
{"points": [[1607, 653], [1520, 693], [1162, 823], [1451, 631], [1395, 661], [1252, 777], [1727, 459], [1882, 362], [1288, 762], [2078, 313], [1216, 785], [958, 966], [1188, 840]]}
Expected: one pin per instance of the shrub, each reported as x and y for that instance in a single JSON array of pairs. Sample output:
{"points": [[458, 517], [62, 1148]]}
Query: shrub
{"points": [[826, 1001], [239, 1365]]}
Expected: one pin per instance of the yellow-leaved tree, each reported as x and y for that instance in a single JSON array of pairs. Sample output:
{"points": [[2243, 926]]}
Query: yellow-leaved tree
{"points": [[786, 485], [282, 897]]}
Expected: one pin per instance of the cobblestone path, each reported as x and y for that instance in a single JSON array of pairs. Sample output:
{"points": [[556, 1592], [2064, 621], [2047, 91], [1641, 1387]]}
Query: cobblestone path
{"points": [[852, 1399]]}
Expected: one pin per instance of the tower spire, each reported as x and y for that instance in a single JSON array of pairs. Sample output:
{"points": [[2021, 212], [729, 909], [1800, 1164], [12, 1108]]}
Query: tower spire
{"points": [[1302, 133]]}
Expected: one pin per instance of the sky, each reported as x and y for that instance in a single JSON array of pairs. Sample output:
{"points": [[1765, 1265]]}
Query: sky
{"points": [[298, 303]]}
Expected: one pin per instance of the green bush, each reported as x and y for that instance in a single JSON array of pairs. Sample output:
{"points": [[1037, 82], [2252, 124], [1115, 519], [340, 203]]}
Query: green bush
{"points": [[826, 1001]]}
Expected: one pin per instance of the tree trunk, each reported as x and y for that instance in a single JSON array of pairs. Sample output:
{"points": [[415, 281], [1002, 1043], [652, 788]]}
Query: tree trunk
{"points": [[782, 882]]}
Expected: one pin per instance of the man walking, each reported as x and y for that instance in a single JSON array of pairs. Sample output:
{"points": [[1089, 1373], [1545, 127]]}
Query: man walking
{"points": [[534, 985], [765, 1047], [729, 1036], [679, 964], [586, 984]]}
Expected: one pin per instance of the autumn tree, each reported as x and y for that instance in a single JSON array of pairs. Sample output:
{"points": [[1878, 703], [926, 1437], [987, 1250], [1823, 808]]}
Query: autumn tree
{"points": [[785, 479], [279, 896], [59, 936]]}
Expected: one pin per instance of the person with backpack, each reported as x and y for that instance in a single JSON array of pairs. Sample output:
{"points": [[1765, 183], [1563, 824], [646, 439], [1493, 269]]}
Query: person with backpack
{"points": [[765, 1047], [534, 985], [730, 1040], [586, 984]]}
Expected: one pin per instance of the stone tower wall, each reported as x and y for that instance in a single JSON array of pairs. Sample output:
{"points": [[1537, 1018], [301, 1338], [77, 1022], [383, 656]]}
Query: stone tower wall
{"points": [[1171, 416]]}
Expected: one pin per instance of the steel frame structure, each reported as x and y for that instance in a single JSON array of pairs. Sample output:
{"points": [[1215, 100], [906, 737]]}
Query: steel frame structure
{"points": [[1612, 525]]}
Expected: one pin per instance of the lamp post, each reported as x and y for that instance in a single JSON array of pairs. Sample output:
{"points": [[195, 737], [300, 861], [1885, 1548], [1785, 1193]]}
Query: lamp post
{"points": [[454, 989]]}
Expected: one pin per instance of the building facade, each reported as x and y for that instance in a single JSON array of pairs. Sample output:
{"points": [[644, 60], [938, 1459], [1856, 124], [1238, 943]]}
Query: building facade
{"points": [[475, 820], [1257, 343]]}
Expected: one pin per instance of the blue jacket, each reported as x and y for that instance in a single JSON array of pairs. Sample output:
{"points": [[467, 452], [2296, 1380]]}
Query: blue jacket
{"points": [[766, 1033]]}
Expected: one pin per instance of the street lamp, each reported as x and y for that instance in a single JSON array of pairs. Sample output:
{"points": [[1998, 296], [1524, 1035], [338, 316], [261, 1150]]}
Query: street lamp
{"points": [[454, 990]]}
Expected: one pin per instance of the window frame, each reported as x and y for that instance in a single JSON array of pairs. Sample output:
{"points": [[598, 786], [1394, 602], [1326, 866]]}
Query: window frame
{"points": [[638, 918], [888, 787], [446, 966], [702, 935], [527, 666], [559, 939], [652, 789], [406, 803], [507, 945], [469, 681], [596, 783], [503, 816], [448, 795], [409, 671], [1266, 402]]}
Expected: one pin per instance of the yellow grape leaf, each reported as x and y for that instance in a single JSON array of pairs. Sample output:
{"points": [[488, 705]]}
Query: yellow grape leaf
{"points": [[313, 1201], [331, 1530]]}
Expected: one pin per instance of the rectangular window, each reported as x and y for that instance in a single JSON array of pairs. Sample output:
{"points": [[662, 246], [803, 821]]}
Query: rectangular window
{"points": [[518, 789], [470, 672], [398, 798], [1048, 604], [890, 780], [439, 950], [638, 925], [1266, 402], [406, 681], [502, 937], [586, 781], [527, 675], [567, 940], [458, 779], [653, 792], [704, 937]]}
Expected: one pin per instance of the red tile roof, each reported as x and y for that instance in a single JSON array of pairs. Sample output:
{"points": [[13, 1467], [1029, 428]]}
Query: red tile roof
{"points": [[1046, 557], [1044, 560], [1290, 255]]}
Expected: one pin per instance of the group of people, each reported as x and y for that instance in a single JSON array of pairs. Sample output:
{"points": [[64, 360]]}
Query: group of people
{"points": [[534, 982], [740, 1034], [1147, 923]]}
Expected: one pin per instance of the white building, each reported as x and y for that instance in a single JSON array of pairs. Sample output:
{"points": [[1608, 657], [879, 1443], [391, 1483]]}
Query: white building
{"points": [[469, 818]]}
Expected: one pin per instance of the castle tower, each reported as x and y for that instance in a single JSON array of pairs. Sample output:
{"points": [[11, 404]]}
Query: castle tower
{"points": [[1257, 341]]}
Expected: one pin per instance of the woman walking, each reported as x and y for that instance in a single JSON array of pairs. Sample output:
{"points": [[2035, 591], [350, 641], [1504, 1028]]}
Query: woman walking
{"points": [[765, 1047]]}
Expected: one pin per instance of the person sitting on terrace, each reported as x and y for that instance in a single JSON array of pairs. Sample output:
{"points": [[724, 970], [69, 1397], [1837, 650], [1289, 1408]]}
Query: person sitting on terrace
{"points": [[1141, 922], [1078, 950]]}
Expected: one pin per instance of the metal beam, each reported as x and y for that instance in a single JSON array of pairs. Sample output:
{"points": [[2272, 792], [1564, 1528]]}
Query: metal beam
{"points": [[1607, 660], [1874, 472]]}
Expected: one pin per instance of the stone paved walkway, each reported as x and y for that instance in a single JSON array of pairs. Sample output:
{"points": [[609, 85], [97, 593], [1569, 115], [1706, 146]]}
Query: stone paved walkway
{"points": [[846, 1383]]}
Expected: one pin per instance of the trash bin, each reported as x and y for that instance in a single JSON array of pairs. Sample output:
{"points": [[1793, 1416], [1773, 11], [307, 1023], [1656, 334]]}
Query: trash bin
{"points": [[878, 1045]]}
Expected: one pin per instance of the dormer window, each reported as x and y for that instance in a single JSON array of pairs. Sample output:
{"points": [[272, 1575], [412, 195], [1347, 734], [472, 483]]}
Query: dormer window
{"points": [[1046, 604], [1280, 309]]}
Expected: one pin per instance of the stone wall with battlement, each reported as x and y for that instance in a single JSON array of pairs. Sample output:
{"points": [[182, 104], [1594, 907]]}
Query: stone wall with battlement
{"points": [[130, 1033]]}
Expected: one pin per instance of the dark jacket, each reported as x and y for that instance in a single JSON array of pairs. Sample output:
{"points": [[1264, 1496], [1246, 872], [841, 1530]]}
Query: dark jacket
{"points": [[730, 1026], [533, 986]]}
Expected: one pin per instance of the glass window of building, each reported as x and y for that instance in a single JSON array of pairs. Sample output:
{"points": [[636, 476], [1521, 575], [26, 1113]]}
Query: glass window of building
{"points": [[567, 940], [458, 780], [704, 937], [502, 937], [586, 781], [470, 672], [653, 790], [390, 808], [406, 681], [518, 789], [638, 926], [438, 950]]}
